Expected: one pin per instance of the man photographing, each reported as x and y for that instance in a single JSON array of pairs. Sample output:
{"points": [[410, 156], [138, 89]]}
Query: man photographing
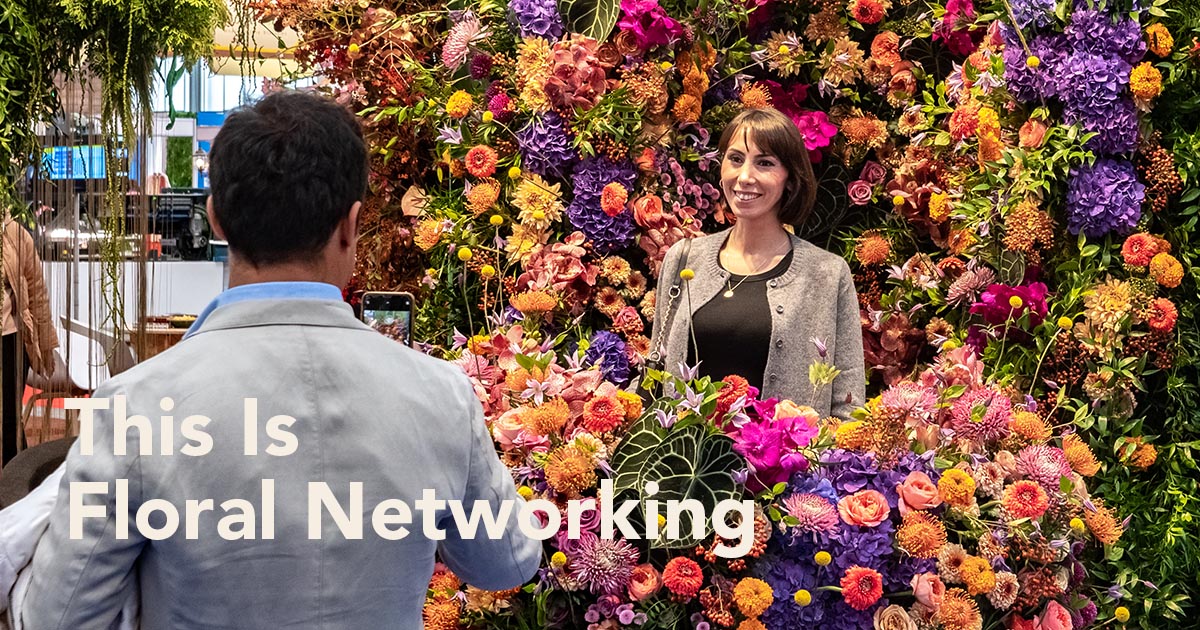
{"points": [[336, 403]]}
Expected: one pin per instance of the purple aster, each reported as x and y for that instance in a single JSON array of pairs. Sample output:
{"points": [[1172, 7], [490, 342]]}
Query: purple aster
{"points": [[1096, 32], [1032, 84], [607, 233], [1103, 198], [1116, 127], [545, 147], [1038, 13], [537, 18], [607, 349], [605, 565]]}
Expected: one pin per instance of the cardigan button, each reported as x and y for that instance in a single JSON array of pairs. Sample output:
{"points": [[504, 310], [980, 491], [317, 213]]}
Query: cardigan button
{"points": [[774, 283], [778, 343], [773, 378], [779, 309]]}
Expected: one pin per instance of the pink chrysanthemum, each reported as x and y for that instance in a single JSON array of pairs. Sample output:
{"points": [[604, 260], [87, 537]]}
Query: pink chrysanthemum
{"points": [[603, 564], [981, 415], [458, 42], [920, 401], [1043, 464], [815, 513]]}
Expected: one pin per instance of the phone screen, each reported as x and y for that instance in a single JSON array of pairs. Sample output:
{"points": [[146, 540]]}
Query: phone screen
{"points": [[390, 315]]}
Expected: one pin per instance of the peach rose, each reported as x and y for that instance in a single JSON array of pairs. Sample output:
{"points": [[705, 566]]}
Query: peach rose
{"points": [[917, 492], [507, 428], [1032, 134], [648, 210], [788, 409], [644, 582], [1056, 617], [893, 618], [929, 590], [865, 508]]}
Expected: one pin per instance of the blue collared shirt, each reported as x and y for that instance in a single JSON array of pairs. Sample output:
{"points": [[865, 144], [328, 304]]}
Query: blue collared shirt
{"points": [[267, 291]]}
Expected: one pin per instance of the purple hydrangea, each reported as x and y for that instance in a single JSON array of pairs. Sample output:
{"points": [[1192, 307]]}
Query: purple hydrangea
{"points": [[607, 348], [1116, 126], [545, 147], [827, 609], [1089, 83], [1038, 13], [1103, 198], [590, 177], [1033, 84], [1095, 32], [537, 18]]}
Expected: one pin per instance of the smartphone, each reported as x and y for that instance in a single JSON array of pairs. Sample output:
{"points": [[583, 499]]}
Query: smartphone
{"points": [[389, 312]]}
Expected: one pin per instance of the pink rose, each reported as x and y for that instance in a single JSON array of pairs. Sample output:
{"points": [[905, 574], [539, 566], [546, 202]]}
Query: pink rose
{"points": [[873, 172], [865, 508], [644, 582], [917, 492], [860, 192], [1032, 134], [1056, 617], [507, 428], [929, 590]]}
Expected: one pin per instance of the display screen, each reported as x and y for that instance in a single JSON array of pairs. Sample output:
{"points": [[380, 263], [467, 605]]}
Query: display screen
{"points": [[394, 324], [86, 162]]}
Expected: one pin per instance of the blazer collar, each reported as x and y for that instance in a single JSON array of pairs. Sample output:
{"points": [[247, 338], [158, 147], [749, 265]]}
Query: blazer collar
{"points": [[284, 312]]}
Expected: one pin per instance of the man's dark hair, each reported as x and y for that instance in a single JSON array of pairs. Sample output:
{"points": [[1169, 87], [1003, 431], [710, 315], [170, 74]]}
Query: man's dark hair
{"points": [[284, 172]]}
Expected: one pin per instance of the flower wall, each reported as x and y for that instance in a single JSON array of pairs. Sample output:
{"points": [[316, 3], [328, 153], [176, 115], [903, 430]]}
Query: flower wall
{"points": [[1014, 185]]}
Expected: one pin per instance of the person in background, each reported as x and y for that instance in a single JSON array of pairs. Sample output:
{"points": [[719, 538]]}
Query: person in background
{"points": [[29, 337], [764, 304], [288, 178]]}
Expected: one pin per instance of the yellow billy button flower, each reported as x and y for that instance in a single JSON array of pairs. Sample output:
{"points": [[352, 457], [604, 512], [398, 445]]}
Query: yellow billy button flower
{"points": [[662, 522], [783, 49], [526, 492], [558, 560], [514, 172], [1121, 613], [1016, 301], [1065, 322], [664, 66], [687, 274], [353, 49], [464, 254], [1077, 525], [898, 200], [487, 271], [488, 116], [822, 558], [496, 220], [951, 344], [1032, 61], [802, 597]]}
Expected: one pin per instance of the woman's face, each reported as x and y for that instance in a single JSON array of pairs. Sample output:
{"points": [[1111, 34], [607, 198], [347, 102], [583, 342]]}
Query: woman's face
{"points": [[753, 181]]}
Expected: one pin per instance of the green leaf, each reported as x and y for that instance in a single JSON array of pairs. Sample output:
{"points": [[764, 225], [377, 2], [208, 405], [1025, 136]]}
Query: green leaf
{"points": [[594, 18]]}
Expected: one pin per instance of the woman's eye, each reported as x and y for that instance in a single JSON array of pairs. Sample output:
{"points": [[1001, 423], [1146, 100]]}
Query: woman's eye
{"points": [[766, 164], [735, 159]]}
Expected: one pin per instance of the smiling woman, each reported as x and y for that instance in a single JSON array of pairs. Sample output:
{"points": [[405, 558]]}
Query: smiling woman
{"points": [[763, 304]]}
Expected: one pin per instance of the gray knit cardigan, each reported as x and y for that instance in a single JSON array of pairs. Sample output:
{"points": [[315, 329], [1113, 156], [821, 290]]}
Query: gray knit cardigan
{"points": [[815, 297]]}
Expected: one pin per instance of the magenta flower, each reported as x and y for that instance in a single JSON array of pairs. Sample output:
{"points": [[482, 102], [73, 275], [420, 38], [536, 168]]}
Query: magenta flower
{"points": [[816, 129], [997, 306], [649, 23], [760, 445]]}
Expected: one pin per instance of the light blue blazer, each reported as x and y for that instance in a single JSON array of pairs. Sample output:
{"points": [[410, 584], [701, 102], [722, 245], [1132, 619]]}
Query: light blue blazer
{"points": [[367, 410]]}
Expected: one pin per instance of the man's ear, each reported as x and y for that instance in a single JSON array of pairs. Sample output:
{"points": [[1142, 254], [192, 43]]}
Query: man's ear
{"points": [[348, 230], [212, 219]]}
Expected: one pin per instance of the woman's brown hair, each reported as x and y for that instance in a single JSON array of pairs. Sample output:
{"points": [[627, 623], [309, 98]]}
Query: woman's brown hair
{"points": [[777, 135]]}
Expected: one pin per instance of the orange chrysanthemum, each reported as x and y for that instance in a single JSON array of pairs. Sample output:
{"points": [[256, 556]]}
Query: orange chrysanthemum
{"points": [[441, 614], [755, 96], [1166, 270], [683, 577], [687, 109], [753, 596], [957, 488], [531, 302], [861, 587], [885, 48], [1145, 81], [459, 104], [1082, 460], [481, 161], [1102, 523], [613, 199], [1144, 455], [959, 611], [632, 404], [866, 131], [547, 418], [602, 414], [1025, 499], [1030, 426], [964, 121], [570, 471], [872, 249], [921, 535], [615, 269], [978, 575], [751, 624], [483, 196]]}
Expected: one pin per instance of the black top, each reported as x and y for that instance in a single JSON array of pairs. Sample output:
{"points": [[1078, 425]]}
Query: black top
{"points": [[733, 334]]}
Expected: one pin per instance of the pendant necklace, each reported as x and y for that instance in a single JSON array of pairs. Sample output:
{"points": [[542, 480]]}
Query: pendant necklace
{"points": [[730, 289]]}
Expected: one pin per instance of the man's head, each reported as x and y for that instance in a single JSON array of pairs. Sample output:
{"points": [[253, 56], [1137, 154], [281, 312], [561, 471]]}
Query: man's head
{"points": [[288, 175]]}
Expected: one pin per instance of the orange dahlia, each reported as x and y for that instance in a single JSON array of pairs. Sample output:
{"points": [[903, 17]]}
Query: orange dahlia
{"points": [[921, 535], [1144, 455], [602, 414], [861, 587], [1166, 270], [613, 199], [753, 596], [481, 161], [1139, 249], [865, 130], [868, 11], [1082, 460], [1025, 499], [683, 577]]}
